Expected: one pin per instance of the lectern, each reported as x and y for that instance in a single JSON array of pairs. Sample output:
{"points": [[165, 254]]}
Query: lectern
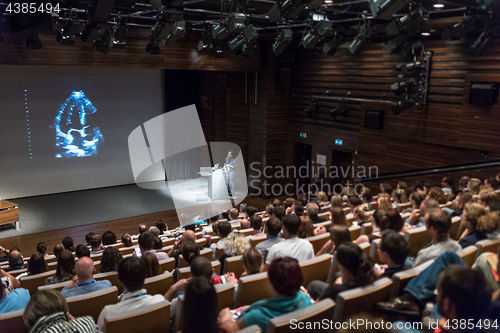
{"points": [[9, 213], [217, 185]]}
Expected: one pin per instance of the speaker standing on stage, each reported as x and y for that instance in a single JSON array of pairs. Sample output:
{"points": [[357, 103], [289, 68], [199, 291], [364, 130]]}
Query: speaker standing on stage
{"points": [[230, 168]]}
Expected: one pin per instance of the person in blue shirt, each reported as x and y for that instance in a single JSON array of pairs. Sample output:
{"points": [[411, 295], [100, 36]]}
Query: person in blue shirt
{"points": [[477, 221], [230, 164], [84, 282], [14, 300], [286, 279]]}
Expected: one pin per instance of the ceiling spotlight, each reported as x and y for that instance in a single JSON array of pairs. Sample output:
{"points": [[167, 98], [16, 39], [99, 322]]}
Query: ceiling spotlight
{"points": [[398, 88], [384, 9], [468, 25], [356, 44], [331, 47], [66, 36], [179, 30], [402, 105], [396, 44], [220, 31], [33, 42], [119, 34], [409, 67], [310, 40], [206, 42], [290, 9], [247, 36], [364, 32], [152, 47], [104, 41], [237, 42], [438, 5], [282, 41], [485, 39], [341, 110], [248, 49], [410, 48], [408, 23], [312, 108], [236, 22], [489, 4]]}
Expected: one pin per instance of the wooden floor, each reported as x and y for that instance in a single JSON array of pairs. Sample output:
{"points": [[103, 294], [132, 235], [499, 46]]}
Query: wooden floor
{"points": [[27, 243]]}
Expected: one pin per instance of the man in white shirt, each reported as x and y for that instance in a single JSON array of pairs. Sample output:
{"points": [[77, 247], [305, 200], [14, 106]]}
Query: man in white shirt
{"points": [[224, 229], [132, 273], [233, 215], [292, 246]]}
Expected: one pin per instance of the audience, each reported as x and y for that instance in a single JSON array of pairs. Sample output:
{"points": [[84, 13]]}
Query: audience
{"points": [[108, 238], [233, 215], [279, 213], [146, 245], [256, 225], [292, 246], [355, 271], [392, 250], [67, 242], [131, 273], [354, 201], [306, 227], [36, 266], [42, 249], [460, 200], [273, 228], [224, 229], [47, 311], [151, 264], [477, 222], [82, 251], [88, 237], [142, 228], [190, 251], [110, 260], [65, 268], [200, 299], [380, 222], [96, 244], [339, 234], [437, 194], [312, 210], [286, 279], [126, 239], [338, 216], [417, 216], [473, 186], [252, 262], [336, 201], [386, 188], [360, 215], [58, 249], [162, 227], [84, 281], [416, 199], [486, 197], [16, 261], [235, 245], [200, 267], [12, 298], [176, 250]]}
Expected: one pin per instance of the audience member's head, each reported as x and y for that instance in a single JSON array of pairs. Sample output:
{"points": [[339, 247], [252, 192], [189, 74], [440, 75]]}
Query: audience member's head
{"points": [[191, 227], [256, 222], [299, 209], [360, 213], [354, 201], [463, 294], [200, 298], [224, 215], [162, 226], [88, 237], [474, 185], [269, 210], [463, 182], [485, 197], [190, 251], [276, 203], [285, 276], [126, 239], [447, 181], [108, 238], [110, 260], [491, 183], [385, 187], [236, 244], [302, 199], [251, 210], [215, 227], [68, 244], [146, 242], [65, 266], [96, 242], [157, 243], [399, 195], [82, 251], [201, 267], [224, 229], [151, 264], [273, 227], [132, 273], [340, 234], [437, 222], [212, 216], [437, 194], [417, 185], [142, 228], [428, 205], [476, 218], [427, 187], [336, 201], [367, 196], [416, 199], [252, 261], [279, 212], [380, 220], [306, 227], [37, 264], [322, 197], [312, 209], [338, 216], [234, 213], [291, 225], [393, 248], [58, 249], [42, 304], [461, 199], [154, 231], [384, 202], [84, 268], [41, 248], [15, 258], [395, 220], [185, 220], [245, 224], [354, 264]]}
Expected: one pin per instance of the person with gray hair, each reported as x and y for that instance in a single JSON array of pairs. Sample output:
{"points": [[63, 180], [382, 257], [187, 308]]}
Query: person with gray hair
{"points": [[47, 311], [154, 231], [312, 210], [84, 281]]}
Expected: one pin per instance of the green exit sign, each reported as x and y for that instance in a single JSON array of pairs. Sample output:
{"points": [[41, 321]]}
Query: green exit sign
{"points": [[302, 135], [338, 142]]}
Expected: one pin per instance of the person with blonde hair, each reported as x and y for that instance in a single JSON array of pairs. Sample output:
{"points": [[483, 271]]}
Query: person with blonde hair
{"points": [[236, 244], [253, 262], [384, 202], [322, 197], [478, 222], [306, 227], [47, 311], [338, 217], [126, 239], [473, 186], [485, 197], [339, 234], [399, 196], [336, 201], [360, 214]]}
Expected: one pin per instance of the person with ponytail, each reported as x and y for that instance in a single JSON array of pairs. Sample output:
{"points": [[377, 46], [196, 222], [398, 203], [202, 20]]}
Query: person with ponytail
{"points": [[380, 222], [355, 269], [360, 214], [478, 222]]}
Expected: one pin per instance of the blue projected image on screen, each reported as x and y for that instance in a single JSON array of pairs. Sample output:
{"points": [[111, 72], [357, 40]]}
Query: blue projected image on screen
{"points": [[74, 136]]}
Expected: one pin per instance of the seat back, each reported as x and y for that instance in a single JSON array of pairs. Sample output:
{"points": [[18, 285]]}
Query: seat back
{"points": [[234, 265], [403, 206], [487, 245], [362, 299], [401, 279], [366, 229], [468, 255], [201, 242], [417, 238], [32, 282], [355, 231], [17, 272], [325, 215], [185, 272], [316, 268], [318, 241], [225, 295], [455, 227], [159, 284], [256, 240], [334, 268], [50, 259], [220, 252], [127, 250], [91, 304], [326, 224], [247, 232], [168, 242], [365, 247], [374, 252], [151, 318], [167, 265], [12, 322], [253, 288], [111, 277], [315, 313], [55, 286], [207, 253]]}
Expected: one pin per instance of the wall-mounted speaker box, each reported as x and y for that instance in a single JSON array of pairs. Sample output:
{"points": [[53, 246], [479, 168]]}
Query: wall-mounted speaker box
{"points": [[484, 94], [285, 76], [374, 119]]}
